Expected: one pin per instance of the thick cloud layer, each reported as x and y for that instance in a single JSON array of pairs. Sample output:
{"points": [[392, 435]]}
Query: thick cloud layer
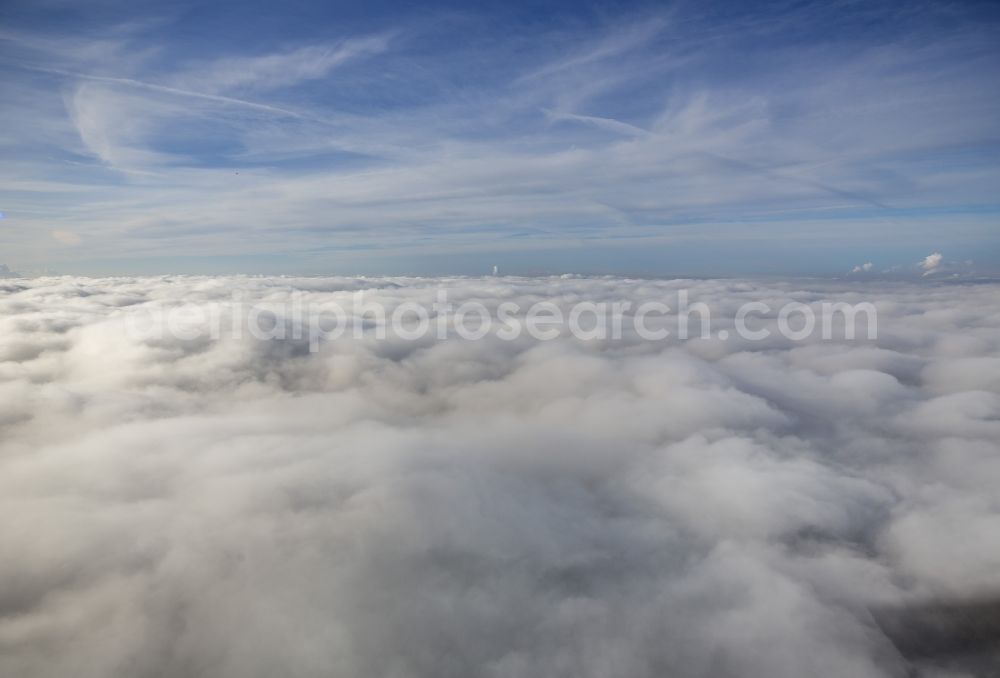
{"points": [[238, 507]]}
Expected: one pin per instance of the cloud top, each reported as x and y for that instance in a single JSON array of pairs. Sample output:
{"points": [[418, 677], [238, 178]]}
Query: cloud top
{"points": [[242, 507], [931, 263]]}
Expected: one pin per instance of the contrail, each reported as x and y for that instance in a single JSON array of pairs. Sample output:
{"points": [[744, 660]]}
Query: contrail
{"points": [[172, 90], [774, 174]]}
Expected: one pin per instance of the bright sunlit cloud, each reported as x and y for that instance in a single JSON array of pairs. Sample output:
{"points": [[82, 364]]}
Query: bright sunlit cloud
{"points": [[245, 507]]}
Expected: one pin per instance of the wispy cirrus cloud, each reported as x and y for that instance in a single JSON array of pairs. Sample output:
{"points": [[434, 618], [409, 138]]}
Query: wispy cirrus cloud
{"points": [[278, 70], [415, 138]]}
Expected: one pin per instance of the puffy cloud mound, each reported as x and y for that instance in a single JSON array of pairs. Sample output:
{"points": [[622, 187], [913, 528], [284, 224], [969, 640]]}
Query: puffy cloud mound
{"points": [[931, 263], [239, 507]]}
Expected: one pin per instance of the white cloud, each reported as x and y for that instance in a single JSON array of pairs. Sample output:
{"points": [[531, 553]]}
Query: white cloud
{"points": [[931, 263], [863, 268], [279, 70], [242, 507]]}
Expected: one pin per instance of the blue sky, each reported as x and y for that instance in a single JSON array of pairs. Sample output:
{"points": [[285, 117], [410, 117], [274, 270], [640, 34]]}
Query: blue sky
{"points": [[786, 138]]}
